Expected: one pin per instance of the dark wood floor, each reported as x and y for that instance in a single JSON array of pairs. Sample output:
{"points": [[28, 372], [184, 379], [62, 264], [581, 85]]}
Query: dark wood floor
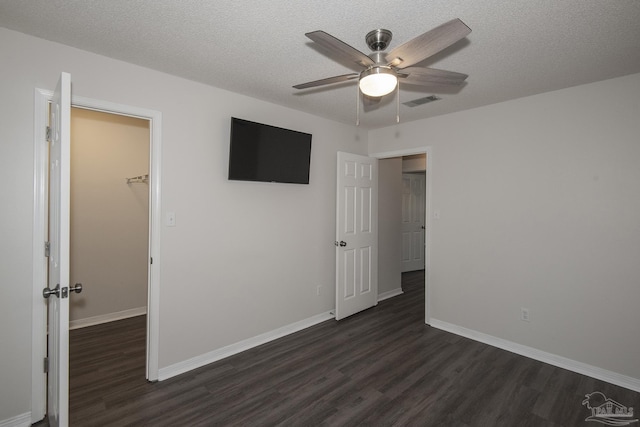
{"points": [[380, 367]]}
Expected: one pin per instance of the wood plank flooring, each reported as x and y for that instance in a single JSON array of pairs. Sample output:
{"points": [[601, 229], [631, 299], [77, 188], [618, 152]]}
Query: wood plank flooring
{"points": [[381, 367]]}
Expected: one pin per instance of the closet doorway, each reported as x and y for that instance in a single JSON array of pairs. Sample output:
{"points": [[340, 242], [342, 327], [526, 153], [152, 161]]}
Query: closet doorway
{"points": [[109, 242], [109, 247]]}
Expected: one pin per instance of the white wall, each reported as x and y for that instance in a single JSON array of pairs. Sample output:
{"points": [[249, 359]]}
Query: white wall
{"points": [[109, 218], [16, 193], [539, 209], [244, 258]]}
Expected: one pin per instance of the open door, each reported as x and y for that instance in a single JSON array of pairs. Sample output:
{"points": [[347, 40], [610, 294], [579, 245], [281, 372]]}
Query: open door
{"points": [[57, 291], [356, 234]]}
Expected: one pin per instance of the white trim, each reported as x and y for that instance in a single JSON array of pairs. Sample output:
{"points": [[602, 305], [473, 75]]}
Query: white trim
{"points": [[390, 294], [39, 262], [153, 294], [428, 150], [22, 420], [106, 318], [542, 356], [39, 331], [230, 350]]}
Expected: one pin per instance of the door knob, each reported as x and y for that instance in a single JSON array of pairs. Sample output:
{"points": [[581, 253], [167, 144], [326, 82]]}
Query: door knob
{"points": [[46, 292], [341, 243], [77, 288]]}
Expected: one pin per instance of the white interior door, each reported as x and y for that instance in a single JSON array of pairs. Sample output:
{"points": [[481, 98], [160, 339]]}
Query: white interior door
{"points": [[58, 285], [413, 221], [356, 234]]}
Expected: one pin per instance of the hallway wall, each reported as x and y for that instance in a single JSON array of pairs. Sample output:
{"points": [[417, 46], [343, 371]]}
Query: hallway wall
{"points": [[389, 220]]}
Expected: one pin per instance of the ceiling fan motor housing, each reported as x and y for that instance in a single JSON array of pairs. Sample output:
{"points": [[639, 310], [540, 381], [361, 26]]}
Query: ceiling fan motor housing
{"points": [[379, 39]]}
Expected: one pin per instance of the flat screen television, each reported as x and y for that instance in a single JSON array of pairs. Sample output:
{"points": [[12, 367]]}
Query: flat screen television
{"points": [[260, 152]]}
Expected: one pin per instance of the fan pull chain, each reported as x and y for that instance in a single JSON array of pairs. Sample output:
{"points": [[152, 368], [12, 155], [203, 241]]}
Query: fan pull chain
{"points": [[357, 105], [398, 103]]}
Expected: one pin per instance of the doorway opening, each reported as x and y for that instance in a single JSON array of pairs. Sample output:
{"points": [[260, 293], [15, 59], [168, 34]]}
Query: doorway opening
{"points": [[109, 242], [413, 156], [413, 212], [109, 248], [148, 298]]}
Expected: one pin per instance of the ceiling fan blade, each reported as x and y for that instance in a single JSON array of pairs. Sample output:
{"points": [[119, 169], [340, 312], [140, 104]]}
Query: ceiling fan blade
{"points": [[327, 81], [425, 81], [339, 49], [431, 83], [427, 44], [431, 76]]}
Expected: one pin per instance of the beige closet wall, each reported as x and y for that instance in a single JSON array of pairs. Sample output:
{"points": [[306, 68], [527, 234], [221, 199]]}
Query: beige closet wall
{"points": [[109, 218]]}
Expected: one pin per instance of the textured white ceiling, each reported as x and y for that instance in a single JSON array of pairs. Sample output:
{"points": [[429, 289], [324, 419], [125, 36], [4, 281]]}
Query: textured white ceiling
{"points": [[258, 48]]}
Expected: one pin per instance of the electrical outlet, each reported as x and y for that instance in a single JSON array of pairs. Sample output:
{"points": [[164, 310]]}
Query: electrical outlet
{"points": [[524, 315], [318, 290]]}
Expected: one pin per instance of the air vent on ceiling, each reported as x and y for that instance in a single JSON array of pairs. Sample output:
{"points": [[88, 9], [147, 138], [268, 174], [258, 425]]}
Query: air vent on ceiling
{"points": [[421, 101]]}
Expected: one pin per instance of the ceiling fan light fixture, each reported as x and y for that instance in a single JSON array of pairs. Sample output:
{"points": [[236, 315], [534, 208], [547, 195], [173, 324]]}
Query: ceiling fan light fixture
{"points": [[378, 81]]}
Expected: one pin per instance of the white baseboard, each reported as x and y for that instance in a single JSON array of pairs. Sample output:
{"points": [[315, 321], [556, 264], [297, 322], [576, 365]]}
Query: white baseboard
{"points": [[22, 420], [105, 318], [533, 353], [230, 350], [390, 294]]}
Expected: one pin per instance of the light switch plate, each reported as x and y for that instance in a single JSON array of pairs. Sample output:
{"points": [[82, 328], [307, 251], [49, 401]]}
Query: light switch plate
{"points": [[171, 219]]}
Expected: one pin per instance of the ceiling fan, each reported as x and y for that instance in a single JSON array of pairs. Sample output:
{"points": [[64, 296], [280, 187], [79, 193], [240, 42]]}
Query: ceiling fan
{"points": [[381, 71]]}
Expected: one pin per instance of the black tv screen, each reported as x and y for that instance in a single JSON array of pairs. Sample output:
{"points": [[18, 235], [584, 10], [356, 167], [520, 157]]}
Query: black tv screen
{"points": [[260, 152]]}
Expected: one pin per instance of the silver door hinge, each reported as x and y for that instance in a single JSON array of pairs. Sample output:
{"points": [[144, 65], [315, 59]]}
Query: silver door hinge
{"points": [[49, 133], [47, 248], [46, 365]]}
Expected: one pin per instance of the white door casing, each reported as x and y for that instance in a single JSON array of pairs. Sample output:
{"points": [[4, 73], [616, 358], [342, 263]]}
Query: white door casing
{"points": [[356, 234], [413, 221], [59, 221]]}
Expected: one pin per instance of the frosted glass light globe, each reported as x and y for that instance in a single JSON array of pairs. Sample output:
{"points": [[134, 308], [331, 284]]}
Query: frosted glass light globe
{"points": [[378, 81]]}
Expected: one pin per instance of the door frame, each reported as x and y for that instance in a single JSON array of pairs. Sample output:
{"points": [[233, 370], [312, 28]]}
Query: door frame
{"points": [[40, 231], [428, 151]]}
